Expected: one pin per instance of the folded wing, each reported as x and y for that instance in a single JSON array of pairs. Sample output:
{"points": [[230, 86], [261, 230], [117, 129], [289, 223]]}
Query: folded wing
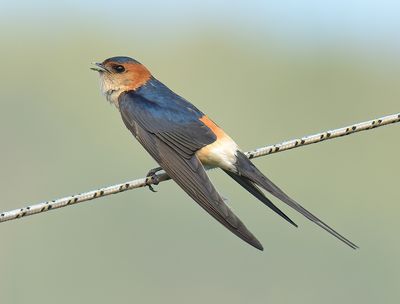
{"points": [[172, 136]]}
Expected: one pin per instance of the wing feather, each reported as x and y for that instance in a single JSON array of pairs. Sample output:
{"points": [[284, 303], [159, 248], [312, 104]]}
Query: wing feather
{"points": [[173, 145], [190, 175], [179, 127]]}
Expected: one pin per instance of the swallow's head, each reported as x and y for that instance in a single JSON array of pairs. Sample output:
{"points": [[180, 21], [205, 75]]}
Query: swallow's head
{"points": [[120, 74]]}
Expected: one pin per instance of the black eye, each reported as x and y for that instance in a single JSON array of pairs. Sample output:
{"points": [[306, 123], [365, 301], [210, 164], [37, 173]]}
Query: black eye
{"points": [[118, 68]]}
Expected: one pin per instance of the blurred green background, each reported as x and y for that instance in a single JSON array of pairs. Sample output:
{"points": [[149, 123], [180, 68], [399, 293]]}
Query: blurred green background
{"points": [[266, 72]]}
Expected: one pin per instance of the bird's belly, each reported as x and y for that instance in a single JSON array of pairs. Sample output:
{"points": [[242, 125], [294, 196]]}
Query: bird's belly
{"points": [[221, 153]]}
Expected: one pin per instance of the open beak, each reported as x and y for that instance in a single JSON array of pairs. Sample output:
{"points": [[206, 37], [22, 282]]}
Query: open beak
{"points": [[99, 67]]}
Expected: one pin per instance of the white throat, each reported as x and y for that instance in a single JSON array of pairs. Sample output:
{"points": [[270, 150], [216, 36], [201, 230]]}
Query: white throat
{"points": [[110, 92], [112, 97]]}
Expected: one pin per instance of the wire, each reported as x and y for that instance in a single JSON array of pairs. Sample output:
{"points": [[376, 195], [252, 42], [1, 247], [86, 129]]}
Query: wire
{"points": [[142, 182]]}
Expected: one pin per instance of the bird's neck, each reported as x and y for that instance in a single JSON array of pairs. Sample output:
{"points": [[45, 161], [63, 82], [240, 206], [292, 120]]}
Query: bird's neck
{"points": [[112, 96]]}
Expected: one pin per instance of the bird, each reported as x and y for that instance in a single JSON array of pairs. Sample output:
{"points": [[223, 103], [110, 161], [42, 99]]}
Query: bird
{"points": [[185, 142]]}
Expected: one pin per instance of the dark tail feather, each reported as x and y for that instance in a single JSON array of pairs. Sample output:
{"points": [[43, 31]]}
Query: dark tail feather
{"points": [[249, 186], [246, 168]]}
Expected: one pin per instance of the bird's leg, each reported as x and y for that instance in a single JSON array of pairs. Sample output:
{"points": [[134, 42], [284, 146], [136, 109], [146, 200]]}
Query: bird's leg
{"points": [[152, 177]]}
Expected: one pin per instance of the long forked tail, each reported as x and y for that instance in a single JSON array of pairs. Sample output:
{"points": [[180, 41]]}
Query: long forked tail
{"points": [[247, 171], [253, 189]]}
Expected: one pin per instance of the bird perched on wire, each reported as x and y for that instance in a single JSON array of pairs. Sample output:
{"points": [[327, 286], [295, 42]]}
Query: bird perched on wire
{"points": [[184, 141]]}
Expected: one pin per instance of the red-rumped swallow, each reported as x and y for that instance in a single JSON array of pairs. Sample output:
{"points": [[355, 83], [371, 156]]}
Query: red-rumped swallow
{"points": [[183, 141]]}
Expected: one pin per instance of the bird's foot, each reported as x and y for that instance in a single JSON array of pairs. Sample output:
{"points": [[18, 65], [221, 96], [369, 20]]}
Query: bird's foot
{"points": [[152, 178]]}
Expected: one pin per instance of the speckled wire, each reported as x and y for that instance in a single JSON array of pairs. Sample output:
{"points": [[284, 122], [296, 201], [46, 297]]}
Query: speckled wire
{"points": [[142, 182]]}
